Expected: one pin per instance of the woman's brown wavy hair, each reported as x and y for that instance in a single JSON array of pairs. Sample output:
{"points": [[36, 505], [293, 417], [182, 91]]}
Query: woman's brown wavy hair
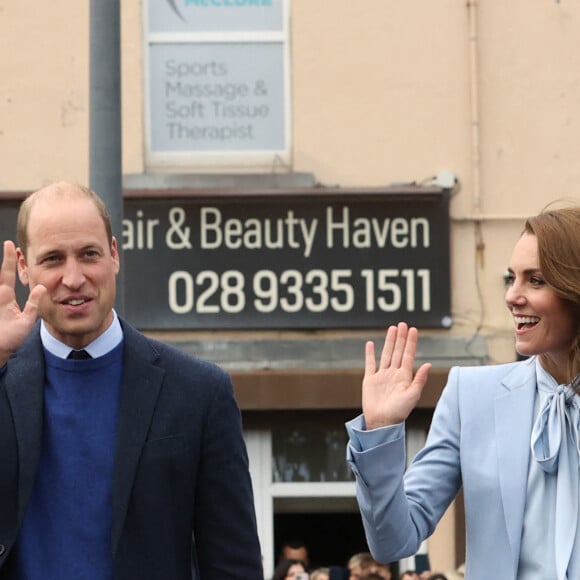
{"points": [[558, 235]]}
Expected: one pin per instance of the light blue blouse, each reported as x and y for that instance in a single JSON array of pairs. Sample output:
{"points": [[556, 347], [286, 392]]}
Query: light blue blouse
{"points": [[550, 545]]}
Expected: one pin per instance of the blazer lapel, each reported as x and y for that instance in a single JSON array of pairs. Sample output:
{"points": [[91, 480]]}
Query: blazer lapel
{"points": [[514, 414], [25, 388], [142, 381]]}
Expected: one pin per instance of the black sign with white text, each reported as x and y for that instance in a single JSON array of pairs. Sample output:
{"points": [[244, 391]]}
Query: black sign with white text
{"points": [[295, 261]]}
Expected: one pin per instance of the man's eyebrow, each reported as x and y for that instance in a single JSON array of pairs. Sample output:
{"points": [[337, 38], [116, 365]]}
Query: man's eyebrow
{"points": [[46, 253], [91, 247]]}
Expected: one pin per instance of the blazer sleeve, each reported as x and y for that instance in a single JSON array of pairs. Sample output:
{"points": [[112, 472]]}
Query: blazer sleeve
{"points": [[400, 510], [225, 531]]}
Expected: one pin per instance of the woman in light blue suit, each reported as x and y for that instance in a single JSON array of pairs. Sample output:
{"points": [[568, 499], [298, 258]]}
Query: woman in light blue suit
{"points": [[507, 434]]}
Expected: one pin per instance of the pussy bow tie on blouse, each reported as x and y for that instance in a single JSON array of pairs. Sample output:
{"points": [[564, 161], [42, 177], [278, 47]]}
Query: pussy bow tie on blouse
{"points": [[555, 446]]}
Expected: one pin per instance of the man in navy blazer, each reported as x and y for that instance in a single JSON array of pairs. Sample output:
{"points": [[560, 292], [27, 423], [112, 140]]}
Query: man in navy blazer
{"points": [[130, 464]]}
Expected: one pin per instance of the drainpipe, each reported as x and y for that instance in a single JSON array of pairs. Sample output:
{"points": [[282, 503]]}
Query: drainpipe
{"points": [[475, 144]]}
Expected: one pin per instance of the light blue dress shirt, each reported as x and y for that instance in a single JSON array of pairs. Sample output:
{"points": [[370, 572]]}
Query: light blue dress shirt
{"points": [[103, 344]]}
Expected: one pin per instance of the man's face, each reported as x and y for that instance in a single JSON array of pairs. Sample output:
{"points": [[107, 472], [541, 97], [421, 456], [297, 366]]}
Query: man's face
{"points": [[296, 553], [69, 254]]}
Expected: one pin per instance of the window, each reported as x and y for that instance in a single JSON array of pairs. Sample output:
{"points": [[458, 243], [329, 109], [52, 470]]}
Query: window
{"points": [[217, 83], [309, 452]]}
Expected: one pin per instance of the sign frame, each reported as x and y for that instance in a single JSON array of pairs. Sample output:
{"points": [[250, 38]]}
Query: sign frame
{"points": [[214, 248]]}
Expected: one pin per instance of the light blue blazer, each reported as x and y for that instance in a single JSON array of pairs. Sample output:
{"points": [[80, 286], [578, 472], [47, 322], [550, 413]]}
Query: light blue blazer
{"points": [[479, 439]]}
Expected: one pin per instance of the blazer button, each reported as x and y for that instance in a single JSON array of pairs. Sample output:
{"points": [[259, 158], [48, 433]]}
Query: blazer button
{"points": [[2, 549]]}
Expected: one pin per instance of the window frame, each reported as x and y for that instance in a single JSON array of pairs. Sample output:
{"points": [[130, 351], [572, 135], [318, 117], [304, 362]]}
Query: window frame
{"points": [[266, 160]]}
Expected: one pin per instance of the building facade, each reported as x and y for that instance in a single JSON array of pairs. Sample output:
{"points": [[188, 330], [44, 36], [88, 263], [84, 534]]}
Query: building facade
{"points": [[307, 173]]}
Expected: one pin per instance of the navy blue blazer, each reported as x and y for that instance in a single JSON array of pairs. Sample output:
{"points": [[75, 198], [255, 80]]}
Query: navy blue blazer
{"points": [[182, 496]]}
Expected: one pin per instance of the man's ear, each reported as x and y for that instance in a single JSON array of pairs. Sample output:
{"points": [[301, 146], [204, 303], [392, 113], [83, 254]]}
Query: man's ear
{"points": [[115, 254], [22, 267]]}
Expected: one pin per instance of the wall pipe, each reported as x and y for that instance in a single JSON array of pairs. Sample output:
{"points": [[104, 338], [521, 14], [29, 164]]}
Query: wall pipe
{"points": [[105, 154]]}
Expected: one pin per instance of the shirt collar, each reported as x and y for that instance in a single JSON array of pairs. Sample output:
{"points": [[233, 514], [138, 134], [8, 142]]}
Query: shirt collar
{"points": [[103, 344], [544, 379]]}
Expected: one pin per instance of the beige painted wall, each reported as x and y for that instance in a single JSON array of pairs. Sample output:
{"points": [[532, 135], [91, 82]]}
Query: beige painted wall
{"points": [[381, 92], [43, 93], [371, 104]]}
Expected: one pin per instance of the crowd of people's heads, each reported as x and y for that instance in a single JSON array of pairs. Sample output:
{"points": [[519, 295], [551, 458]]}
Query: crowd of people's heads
{"points": [[294, 563], [294, 560]]}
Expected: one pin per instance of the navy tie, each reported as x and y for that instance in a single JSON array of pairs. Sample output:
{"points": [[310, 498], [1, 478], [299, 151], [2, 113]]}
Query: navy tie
{"points": [[79, 355]]}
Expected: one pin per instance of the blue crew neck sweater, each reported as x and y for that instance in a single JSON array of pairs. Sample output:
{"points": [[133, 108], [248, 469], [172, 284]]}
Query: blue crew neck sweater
{"points": [[66, 533]]}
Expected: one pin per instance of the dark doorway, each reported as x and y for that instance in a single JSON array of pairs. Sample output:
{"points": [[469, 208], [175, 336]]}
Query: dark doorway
{"points": [[331, 538]]}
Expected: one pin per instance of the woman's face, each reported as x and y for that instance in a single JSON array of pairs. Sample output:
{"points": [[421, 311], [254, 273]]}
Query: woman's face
{"points": [[543, 322]]}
